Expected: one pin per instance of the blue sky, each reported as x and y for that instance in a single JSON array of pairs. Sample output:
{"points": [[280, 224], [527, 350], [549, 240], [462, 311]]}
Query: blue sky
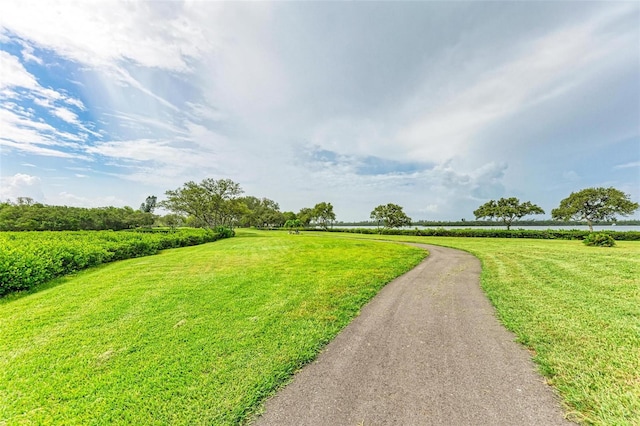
{"points": [[436, 106]]}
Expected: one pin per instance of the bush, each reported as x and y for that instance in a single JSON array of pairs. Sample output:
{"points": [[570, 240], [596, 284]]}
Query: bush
{"points": [[599, 240], [225, 232], [28, 259]]}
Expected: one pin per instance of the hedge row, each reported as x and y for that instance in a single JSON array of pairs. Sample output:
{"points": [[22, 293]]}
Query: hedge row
{"points": [[549, 234], [28, 259]]}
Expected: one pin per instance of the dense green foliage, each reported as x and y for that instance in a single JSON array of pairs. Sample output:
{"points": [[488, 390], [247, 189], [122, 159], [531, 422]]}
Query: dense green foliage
{"points": [[31, 216], [194, 336], [28, 259], [507, 210], [211, 202], [599, 239], [390, 216], [149, 204], [323, 214], [594, 204], [261, 213], [545, 234]]}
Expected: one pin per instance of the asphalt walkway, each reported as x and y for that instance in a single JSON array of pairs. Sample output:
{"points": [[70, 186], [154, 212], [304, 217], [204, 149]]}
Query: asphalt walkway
{"points": [[427, 350]]}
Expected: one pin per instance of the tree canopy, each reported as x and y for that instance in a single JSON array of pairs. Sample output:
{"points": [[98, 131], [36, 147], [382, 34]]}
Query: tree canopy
{"points": [[323, 214], [149, 204], [28, 215], [390, 216], [594, 204], [261, 213], [211, 202], [507, 210]]}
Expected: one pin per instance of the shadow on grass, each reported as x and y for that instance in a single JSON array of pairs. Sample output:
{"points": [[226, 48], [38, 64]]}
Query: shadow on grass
{"points": [[55, 282]]}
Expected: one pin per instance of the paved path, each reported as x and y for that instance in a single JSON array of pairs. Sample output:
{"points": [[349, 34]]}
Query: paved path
{"points": [[427, 350]]}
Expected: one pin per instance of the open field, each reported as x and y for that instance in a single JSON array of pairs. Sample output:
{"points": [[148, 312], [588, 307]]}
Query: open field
{"points": [[578, 310], [196, 335], [202, 334]]}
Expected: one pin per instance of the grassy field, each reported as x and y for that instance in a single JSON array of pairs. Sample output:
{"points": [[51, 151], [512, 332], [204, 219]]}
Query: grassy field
{"points": [[201, 335], [196, 335], [578, 310]]}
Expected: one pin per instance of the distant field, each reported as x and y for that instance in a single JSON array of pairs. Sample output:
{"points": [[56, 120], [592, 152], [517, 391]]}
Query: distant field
{"points": [[196, 335], [577, 308]]}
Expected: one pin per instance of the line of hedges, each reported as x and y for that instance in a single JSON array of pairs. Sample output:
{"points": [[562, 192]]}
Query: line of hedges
{"points": [[548, 234], [28, 259]]}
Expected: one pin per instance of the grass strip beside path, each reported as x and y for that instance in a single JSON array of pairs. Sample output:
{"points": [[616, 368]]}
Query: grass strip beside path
{"points": [[577, 308], [197, 335]]}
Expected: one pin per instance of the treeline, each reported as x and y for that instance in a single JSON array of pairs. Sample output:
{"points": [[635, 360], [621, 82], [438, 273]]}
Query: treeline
{"points": [[27, 215], [209, 204], [221, 203], [214, 203], [484, 223], [546, 234]]}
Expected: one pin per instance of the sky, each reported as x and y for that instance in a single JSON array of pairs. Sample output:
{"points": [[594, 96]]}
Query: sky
{"points": [[436, 106]]}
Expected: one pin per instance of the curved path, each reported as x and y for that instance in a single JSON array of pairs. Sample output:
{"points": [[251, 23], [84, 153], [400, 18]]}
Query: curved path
{"points": [[427, 350]]}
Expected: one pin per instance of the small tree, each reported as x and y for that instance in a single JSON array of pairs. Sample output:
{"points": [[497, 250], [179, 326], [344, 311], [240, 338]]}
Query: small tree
{"points": [[149, 204], [173, 221], [594, 204], [323, 214], [305, 216], [293, 224], [507, 210], [390, 215]]}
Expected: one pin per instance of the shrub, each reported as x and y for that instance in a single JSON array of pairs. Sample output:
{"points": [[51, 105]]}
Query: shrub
{"points": [[28, 259], [225, 232], [599, 240]]}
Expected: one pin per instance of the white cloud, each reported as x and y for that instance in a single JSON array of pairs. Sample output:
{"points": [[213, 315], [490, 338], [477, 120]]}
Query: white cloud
{"points": [[21, 185], [68, 199], [66, 115], [100, 33], [21, 132], [543, 69], [630, 165], [13, 73]]}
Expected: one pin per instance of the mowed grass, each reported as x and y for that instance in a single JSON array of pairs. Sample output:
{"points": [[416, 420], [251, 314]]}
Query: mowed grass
{"points": [[197, 335], [578, 310]]}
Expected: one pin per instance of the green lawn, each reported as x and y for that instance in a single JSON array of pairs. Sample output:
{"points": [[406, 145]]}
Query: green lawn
{"points": [[201, 335], [577, 308], [196, 335]]}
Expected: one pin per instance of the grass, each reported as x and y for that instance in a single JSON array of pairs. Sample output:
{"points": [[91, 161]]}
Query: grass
{"points": [[577, 309], [202, 335], [197, 335]]}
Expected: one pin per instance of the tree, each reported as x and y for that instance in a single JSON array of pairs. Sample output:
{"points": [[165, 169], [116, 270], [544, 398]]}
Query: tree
{"points": [[289, 216], [173, 221], [323, 214], [507, 210], [294, 224], [211, 203], [305, 215], [261, 212], [149, 204], [391, 216], [594, 204]]}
